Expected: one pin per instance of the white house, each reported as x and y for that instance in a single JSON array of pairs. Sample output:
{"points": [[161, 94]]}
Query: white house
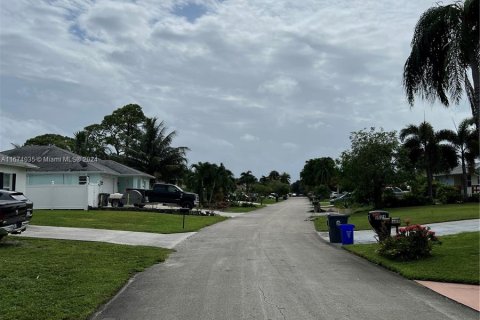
{"points": [[13, 173], [61, 179], [454, 178]]}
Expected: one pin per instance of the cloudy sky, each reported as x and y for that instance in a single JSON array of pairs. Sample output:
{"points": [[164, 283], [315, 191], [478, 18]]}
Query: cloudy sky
{"points": [[255, 84]]}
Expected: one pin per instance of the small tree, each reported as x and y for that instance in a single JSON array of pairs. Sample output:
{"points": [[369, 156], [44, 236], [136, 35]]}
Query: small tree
{"points": [[369, 165]]}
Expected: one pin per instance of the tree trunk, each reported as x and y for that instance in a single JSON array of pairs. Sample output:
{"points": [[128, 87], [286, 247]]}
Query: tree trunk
{"points": [[429, 184], [476, 93], [464, 177]]}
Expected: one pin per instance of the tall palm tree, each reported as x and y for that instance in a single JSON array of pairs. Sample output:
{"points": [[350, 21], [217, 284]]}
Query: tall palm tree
{"points": [[154, 153], [444, 47], [465, 141], [429, 150]]}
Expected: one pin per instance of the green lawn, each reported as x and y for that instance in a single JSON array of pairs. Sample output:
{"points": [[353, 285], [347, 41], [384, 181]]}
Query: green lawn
{"points": [[57, 279], [122, 220], [455, 260], [416, 215]]}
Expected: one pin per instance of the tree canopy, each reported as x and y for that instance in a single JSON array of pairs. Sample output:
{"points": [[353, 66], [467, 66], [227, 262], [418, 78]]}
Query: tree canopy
{"points": [[60, 141], [369, 166], [445, 47]]}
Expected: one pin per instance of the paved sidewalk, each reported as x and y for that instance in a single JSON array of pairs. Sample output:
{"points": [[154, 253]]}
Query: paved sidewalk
{"points": [[441, 229], [466, 294], [168, 241]]}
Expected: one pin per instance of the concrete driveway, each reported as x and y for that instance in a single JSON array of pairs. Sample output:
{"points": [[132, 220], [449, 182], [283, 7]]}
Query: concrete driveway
{"points": [[271, 264], [111, 236]]}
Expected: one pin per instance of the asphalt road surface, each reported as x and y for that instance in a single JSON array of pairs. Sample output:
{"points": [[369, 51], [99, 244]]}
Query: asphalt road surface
{"points": [[270, 264]]}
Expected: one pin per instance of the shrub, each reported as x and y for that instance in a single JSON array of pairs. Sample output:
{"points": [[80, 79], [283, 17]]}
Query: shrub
{"points": [[474, 198], [390, 200], [411, 243], [409, 200], [448, 194]]}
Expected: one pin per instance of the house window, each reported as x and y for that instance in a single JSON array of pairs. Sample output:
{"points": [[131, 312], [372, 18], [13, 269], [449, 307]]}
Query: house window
{"points": [[7, 181], [469, 180], [82, 180]]}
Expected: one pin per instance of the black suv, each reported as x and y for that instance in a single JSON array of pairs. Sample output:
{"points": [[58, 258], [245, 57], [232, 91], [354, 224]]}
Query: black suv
{"points": [[18, 196]]}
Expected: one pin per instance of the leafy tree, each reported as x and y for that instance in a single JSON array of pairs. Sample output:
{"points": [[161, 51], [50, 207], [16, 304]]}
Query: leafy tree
{"points": [[60, 141], [429, 150], [444, 46], [90, 142], [123, 128], [279, 187], [154, 153], [319, 171], [369, 165]]}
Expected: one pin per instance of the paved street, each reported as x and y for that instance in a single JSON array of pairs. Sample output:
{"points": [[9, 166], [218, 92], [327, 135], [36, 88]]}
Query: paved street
{"points": [[271, 264]]}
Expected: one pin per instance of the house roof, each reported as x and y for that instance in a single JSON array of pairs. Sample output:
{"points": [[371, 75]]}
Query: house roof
{"points": [[15, 162], [123, 169], [457, 170], [55, 159]]}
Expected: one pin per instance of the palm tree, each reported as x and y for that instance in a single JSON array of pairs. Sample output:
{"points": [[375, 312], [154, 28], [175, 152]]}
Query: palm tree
{"points": [[465, 141], [444, 46], [154, 153], [427, 150], [248, 179], [211, 181], [285, 178], [273, 175]]}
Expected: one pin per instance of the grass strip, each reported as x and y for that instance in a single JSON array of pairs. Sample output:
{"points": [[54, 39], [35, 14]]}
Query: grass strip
{"points": [[60, 279], [455, 260], [123, 220], [416, 215]]}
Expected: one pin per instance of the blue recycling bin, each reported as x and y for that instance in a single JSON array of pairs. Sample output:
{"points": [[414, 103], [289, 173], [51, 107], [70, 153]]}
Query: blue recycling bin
{"points": [[346, 231]]}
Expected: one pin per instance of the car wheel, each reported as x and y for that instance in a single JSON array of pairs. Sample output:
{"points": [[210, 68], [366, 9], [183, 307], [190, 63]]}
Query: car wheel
{"points": [[115, 203]]}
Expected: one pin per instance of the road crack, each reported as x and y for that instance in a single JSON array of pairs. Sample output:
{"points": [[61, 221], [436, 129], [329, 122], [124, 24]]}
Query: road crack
{"points": [[279, 308]]}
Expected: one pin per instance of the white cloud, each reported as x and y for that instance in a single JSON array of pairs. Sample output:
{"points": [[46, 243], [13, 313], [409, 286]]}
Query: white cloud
{"points": [[301, 75], [282, 85], [249, 137]]}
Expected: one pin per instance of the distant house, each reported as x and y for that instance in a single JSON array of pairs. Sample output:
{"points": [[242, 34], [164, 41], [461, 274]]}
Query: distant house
{"points": [[65, 180], [13, 173], [454, 178]]}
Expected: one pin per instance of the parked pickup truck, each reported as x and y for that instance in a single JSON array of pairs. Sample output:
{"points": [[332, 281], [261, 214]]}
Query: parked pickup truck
{"points": [[13, 215], [161, 193]]}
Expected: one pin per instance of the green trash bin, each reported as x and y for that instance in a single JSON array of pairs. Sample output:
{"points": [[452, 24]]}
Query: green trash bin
{"points": [[333, 221]]}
